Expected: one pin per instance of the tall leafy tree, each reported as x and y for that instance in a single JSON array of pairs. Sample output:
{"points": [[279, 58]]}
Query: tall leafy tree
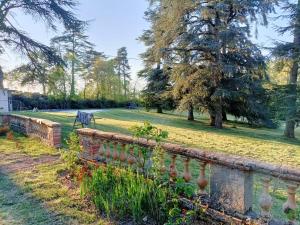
{"points": [[214, 35], [154, 94], [73, 45], [51, 12], [87, 66], [103, 81], [35, 71], [123, 70], [291, 51]]}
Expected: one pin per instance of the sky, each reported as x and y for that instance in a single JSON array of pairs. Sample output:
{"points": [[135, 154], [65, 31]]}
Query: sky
{"points": [[113, 24]]}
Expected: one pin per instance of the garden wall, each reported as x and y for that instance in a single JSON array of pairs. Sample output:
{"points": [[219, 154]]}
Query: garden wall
{"points": [[49, 132], [226, 182]]}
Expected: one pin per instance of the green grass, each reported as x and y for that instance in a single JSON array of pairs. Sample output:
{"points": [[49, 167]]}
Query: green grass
{"points": [[263, 144], [37, 195]]}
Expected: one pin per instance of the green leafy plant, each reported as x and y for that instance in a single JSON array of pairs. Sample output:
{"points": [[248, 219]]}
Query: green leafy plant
{"points": [[70, 156], [120, 193], [150, 132]]}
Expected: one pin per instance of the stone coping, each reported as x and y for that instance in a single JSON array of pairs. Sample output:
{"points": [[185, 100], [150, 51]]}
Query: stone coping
{"points": [[48, 123], [231, 161]]}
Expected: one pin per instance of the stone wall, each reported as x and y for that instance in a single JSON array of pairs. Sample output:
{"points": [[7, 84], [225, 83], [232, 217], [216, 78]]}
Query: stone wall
{"points": [[225, 181], [49, 132]]}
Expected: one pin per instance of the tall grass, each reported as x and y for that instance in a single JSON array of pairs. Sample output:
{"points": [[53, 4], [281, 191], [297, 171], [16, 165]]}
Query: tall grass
{"points": [[122, 193]]}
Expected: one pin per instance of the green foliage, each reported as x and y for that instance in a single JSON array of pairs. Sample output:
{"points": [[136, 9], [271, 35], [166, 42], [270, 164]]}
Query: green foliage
{"points": [[121, 193], [70, 156], [24, 101], [210, 61], [51, 12], [123, 71], [149, 132], [155, 93]]}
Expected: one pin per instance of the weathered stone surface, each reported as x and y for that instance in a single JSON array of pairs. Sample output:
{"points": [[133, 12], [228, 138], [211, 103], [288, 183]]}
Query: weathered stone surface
{"points": [[48, 131], [231, 189]]}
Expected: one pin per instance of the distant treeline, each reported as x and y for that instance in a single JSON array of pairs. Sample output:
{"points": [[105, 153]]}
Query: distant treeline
{"points": [[29, 101]]}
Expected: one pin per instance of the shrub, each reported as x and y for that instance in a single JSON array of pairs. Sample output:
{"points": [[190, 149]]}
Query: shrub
{"points": [[71, 156]]}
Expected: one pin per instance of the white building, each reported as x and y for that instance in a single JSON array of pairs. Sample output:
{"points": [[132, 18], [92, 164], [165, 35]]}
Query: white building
{"points": [[5, 101]]}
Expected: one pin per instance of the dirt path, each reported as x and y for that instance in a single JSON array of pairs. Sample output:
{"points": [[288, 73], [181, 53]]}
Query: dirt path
{"points": [[10, 163], [17, 206]]}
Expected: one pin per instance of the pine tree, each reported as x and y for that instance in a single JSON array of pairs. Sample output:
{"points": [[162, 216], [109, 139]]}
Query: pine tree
{"points": [[123, 70], [49, 11], [214, 35], [291, 51], [74, 45], [157, 84]]}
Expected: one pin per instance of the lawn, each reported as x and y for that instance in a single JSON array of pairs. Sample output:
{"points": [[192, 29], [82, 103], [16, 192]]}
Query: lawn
{"points": [[43, 189], [33, 190], [264, 144]]}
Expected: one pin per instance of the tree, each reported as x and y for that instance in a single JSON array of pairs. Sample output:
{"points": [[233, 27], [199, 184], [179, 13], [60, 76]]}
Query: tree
{"points": [[1, 78], [155, 90], [87, 68], [291, 51], [49, 11], [74, 46], [123, 70], [103, 82], [214, 35], [35, 71]]}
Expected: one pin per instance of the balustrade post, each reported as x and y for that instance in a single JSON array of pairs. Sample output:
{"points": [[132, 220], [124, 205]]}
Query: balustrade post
{"points": [[115, 153], [265, 200], [173, 172], [108, 151], [101, 148], [202, 181], [290, 206], [131, 158], [187, 174], [122, 153], [231, 188]]}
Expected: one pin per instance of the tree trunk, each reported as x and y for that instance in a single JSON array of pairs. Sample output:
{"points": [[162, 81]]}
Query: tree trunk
{"points": [[1, 78], [291, 100], [212, 118], [218, 114], [159, 109], [191, 113], [224, 116], [44, 88], [72, 91], [292, 87]]}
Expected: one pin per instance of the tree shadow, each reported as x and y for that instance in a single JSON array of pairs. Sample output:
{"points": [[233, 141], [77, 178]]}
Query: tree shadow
{"points": [[232, 128], [19, 207]]}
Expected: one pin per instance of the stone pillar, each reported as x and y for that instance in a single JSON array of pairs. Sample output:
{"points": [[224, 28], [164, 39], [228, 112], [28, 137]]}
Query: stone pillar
{"points": [[231, 189], [54, 135]]}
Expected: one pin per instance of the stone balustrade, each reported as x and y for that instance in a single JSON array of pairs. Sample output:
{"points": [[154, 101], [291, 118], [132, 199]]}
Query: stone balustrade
{"points": [[49, 132], [227, 181]]}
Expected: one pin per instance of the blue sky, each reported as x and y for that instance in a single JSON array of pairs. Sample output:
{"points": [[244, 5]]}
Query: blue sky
{"points": [[114, 23]]}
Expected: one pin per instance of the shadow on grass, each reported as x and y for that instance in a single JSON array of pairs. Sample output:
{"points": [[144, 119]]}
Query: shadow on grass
{"points": [[18, 207], [232, 128]]}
